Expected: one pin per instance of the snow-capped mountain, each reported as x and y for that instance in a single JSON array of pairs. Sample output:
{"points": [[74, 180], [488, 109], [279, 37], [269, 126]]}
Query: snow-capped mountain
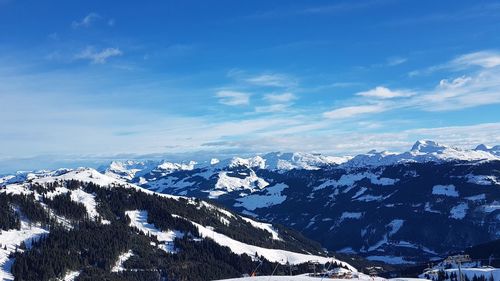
{"points": [[421, 152], [128, 170], [118, 230], [272, 161], [377, 204]]}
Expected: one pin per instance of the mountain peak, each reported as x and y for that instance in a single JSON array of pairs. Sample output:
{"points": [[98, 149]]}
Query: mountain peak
{"points": [[427, 146], [253, 162], [482, 147]]}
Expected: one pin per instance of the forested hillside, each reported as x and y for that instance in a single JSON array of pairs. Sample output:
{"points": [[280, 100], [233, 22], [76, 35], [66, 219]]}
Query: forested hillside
{"points": [[95, 229]]}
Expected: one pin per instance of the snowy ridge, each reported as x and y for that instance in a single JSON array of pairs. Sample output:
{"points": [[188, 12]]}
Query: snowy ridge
{"points": [[299, 160], [226, 183], [127, 170], [253, 162], [87, 175], [283, 161], [22, 176], [421, 152], [91, 175], [169, 167], [273, 255]]}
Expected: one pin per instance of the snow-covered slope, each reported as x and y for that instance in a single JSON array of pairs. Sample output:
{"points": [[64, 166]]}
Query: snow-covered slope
{"points": [[273, 255], [11, 240]]}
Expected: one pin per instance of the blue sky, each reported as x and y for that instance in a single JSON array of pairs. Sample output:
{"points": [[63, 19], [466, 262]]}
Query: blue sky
{"points": [[103, 79]]}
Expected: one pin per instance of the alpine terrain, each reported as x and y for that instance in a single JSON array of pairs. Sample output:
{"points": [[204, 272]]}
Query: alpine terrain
{"points": [[399, 208]]}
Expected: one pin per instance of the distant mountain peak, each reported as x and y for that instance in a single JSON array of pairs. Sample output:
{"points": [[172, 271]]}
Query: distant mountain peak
{"points": [[252, 162], [428, 146], [482, 147]]}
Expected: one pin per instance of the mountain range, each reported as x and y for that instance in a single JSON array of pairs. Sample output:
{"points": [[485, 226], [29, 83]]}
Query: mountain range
{"points": [[397, 208]]}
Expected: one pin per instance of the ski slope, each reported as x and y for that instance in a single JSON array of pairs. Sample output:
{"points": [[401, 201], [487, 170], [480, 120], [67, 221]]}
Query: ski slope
{"points": [[273, 255]]}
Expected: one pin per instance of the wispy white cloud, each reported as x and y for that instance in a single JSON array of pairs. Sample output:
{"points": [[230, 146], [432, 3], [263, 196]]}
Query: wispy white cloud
{"points": [[87, 21], [276, 103], [485, 59], [393, 61], [272, 80], [98, 57], [384, 93], [354, 111], [280, 98], [279, 107], [233, 98]]}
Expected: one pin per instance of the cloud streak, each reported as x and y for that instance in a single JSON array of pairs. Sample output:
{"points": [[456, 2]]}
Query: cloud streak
{"points": [[353, 111], [98, 57], [384, 93], [272, 80], [277, 98], [485, 59], [87, 21], [233, 98]]}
